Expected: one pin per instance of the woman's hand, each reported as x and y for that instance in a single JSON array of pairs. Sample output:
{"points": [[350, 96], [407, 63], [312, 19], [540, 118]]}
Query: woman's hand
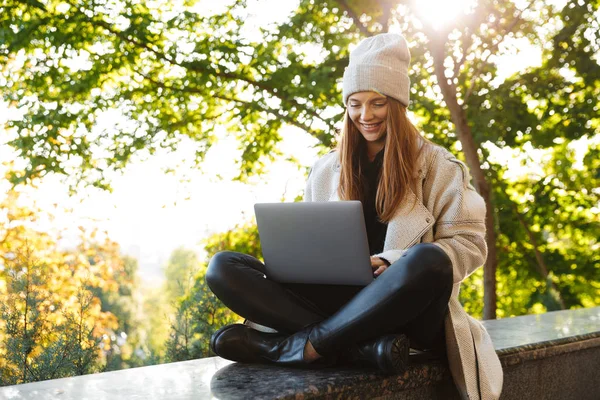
{"points": [[378, 265]]}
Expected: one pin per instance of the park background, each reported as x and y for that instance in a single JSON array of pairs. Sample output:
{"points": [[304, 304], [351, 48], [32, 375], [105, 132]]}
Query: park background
{"points": [[135, 138]]}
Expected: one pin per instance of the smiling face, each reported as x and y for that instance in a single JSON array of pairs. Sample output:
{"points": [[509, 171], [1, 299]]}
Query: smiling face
{"points": [[368, 111]]}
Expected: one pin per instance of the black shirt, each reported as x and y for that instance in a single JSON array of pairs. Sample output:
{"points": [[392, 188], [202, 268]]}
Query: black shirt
{"points": [[376, 229]]}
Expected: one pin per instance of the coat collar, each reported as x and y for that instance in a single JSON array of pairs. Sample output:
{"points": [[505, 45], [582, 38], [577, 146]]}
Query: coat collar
{"points": [[412, 219]]}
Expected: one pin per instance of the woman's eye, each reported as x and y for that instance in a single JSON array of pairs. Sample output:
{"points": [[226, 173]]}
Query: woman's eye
{"points": [[354, 105], [379, 104]]}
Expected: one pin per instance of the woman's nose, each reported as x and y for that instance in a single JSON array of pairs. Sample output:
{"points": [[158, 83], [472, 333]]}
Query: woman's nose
{"points": [[365, 113]]}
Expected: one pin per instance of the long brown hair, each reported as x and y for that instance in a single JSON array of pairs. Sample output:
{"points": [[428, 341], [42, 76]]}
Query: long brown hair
{"points": [[399, 171]]}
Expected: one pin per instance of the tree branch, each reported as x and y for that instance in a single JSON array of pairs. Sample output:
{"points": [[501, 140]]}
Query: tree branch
{"points": [[386, 12], [196, 67], [466, 44], [493, 49], [276, 112], [355, 17]]}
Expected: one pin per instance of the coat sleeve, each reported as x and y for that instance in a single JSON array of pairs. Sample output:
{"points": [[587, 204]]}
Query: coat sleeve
{"points": [[319, 179], [391, 256], [459, 212]]}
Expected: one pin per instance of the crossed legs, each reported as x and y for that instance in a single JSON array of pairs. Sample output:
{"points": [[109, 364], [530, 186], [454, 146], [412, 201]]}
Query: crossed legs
{"points": [[410, 297]]}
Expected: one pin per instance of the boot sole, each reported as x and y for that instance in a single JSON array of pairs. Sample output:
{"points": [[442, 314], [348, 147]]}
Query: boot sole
{"points": [[397, 355]]}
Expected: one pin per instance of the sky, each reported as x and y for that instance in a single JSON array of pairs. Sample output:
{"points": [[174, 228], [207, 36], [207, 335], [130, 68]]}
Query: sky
{"points": [[150, 213]]}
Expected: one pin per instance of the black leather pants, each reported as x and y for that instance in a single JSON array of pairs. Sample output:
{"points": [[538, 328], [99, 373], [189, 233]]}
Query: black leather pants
{"points": [[410, 297]]}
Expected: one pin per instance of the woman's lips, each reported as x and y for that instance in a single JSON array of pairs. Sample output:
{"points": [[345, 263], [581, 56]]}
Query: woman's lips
{"points": [[372, 128]]}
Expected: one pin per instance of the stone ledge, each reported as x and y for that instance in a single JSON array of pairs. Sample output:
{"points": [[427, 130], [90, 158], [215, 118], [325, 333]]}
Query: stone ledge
{"points": [[553, 355]]}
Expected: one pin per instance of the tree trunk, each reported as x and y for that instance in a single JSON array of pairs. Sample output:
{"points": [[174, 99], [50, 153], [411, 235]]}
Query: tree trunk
{"points": [[543, 269], [469, 148]]}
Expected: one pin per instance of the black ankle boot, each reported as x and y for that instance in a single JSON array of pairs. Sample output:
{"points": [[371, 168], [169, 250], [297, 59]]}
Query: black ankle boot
{"points": [[388, 353], [241, 343]]}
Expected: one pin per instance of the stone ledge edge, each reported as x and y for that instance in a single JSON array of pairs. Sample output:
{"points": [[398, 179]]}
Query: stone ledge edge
{"points": [[519, 355]]}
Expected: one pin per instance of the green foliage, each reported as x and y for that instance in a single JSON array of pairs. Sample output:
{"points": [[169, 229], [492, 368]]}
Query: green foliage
{"points": [[170, 71], [62, 312], [42, 339], [180, 270], [173, 71], [199, 313], [127, 347], [155, 314], [243, 238]]}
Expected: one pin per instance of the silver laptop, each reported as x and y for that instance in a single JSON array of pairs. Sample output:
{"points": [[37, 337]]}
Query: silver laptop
{"points": [[315, 242]]}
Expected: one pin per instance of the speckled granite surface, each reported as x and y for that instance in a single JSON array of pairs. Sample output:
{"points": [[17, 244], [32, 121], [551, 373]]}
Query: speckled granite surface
{"points": [[574, 334], [530, 332]]}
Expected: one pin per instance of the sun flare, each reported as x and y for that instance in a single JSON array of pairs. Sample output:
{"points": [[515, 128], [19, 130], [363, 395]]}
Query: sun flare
{"points": [[440, 13]]}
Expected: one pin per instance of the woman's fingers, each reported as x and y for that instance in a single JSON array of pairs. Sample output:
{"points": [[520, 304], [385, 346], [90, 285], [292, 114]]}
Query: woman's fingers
{"points": [[376, 262], [378, 265], [380, 270]]}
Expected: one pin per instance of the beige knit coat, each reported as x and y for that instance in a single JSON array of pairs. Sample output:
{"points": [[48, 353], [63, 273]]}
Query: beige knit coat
{"points": [[449, 213]]}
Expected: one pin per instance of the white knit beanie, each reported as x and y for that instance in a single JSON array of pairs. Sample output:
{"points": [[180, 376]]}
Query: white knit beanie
{"points": [[379, 64]]}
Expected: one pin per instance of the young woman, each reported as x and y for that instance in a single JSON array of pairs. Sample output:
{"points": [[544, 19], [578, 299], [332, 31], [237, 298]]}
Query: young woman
{"points": [[426, 231]]}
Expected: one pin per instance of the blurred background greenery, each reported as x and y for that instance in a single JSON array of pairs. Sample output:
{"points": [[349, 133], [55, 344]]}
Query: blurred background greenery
{"points": [[511, 87]]}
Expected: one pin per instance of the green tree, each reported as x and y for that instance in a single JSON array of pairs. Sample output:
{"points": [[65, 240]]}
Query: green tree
{"points": [[174, 71], [63, 312], [42, 339], [199, 313], [157, 313], [170, 70], [128, 348], [457, 60], [180, 270]]}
